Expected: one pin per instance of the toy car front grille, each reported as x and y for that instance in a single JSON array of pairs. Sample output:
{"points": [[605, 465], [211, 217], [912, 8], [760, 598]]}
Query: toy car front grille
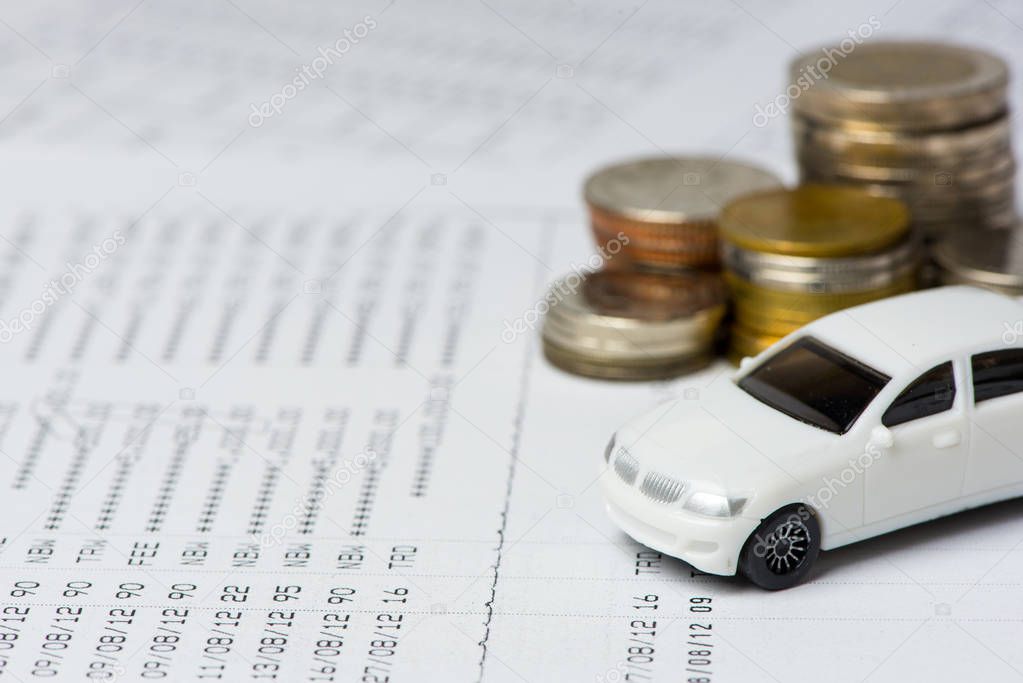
{"points": [[626, 466], [662, 488]]}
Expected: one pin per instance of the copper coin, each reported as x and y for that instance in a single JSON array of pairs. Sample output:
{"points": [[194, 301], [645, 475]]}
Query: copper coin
{"points": [[649, 296]]}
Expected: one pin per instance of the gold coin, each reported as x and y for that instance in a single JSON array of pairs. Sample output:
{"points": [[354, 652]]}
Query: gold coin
{"points": [[752, 295], [771, 324], [814, 220], [779, 313], [746, 342]]}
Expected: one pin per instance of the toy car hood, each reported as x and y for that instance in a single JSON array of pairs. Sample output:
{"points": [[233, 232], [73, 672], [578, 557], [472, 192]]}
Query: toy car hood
{"points": [[726, 441]]}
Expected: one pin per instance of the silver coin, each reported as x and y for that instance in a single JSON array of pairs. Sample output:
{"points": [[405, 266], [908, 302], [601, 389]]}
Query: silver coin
{"points": [[659, 369], [936, 231], [852, 156], [906, 85], [572, 324], [884, 144], [674, 189], [932, 224], [824, 159], [634, 329], [893, 257], [981, 172], [939, 197], [964, 207], [989, 258], [825, 275]]}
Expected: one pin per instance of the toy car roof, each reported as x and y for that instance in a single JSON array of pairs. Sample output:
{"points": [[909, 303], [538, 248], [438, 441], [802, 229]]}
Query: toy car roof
{"points": [[914, 331]]}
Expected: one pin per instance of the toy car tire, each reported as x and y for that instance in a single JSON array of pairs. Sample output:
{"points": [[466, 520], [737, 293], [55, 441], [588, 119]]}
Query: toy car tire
{"points": [[782, 550]]}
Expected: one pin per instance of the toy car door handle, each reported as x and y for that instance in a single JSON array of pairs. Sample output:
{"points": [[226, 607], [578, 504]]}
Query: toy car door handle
{"points": [[946, 438]]}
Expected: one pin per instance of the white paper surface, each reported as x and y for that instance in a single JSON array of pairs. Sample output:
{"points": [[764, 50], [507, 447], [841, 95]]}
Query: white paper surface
{"points": [[262, 417]]}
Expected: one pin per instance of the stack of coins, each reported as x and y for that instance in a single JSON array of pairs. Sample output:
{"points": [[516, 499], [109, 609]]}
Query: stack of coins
{"points": [[926, 123], [991, 259], [629, 325], [792, 256], [667, 208]]}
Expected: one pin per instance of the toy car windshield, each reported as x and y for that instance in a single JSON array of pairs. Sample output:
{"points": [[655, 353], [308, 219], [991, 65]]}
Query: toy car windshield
{"points": [[816, 384]]}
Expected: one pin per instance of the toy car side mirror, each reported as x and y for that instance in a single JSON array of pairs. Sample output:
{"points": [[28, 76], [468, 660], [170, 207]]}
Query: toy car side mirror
{"points": [[745, 362], [880, 438]]}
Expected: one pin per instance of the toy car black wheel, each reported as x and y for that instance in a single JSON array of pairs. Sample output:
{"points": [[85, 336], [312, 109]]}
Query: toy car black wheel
{"points": [[780, 553]]}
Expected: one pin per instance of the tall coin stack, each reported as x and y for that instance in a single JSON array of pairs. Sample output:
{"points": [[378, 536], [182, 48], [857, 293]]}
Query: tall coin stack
{"points": [[992, 259], [926, 123], [667, 208], [792, 256]]}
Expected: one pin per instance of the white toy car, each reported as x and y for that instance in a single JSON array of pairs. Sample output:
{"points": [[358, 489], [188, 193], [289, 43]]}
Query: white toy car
{"points": [[865, 421]]}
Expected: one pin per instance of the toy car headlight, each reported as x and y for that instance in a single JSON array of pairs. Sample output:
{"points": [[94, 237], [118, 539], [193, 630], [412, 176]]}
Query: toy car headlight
{"points": [[714, 504], [610, 448]]}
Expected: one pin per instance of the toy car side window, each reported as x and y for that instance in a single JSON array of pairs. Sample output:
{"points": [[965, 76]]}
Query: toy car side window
{"points": [[931, 393], [997, 373]]}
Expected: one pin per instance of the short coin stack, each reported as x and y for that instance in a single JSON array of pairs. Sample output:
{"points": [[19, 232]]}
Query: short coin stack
{"points": [[629, 325], [792, 256], [667, 207], [991, 259], [923, 122]]}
